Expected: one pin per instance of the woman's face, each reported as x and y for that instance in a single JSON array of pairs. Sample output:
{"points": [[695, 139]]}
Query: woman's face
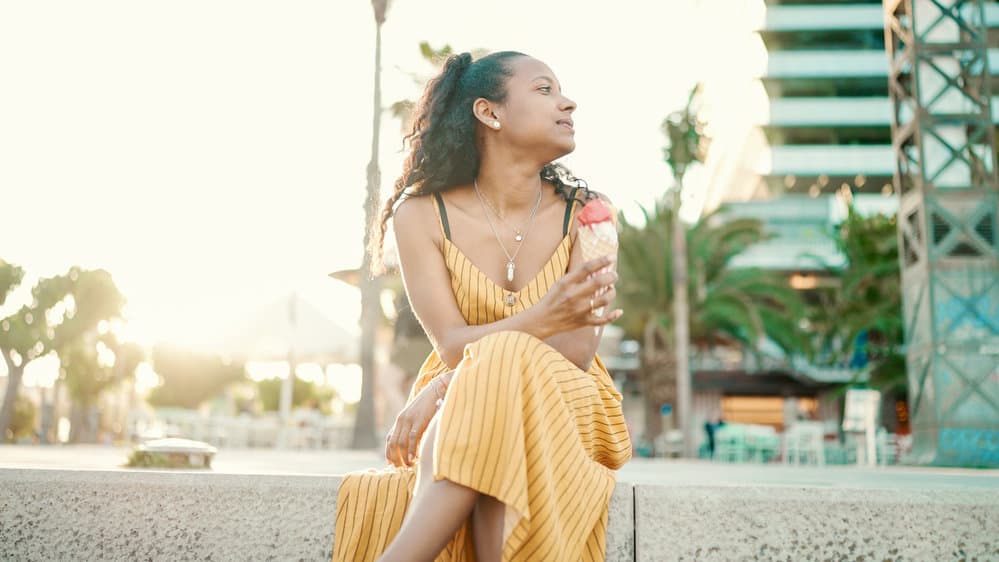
{"points": [[536, 116]]}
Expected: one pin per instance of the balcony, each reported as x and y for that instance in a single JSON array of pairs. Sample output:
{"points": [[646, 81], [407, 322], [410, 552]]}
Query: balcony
{"points": [[833, 64], [830, 160], [836, 16], [801, 112], [840, 16], [841, 112]]}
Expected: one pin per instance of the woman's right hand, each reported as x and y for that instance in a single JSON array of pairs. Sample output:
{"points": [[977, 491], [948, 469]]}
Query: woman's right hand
{"points": [[572, 300], [402, 441]]}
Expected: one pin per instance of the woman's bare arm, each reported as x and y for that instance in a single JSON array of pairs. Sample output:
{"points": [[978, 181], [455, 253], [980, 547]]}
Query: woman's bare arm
{"points": [[428, 285]]}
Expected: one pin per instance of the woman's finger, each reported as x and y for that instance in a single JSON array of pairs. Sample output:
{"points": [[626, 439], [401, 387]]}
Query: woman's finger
{"points": [[402, 445], [391, 447], [588, 268], [607, 317], [414, 437], [604, 299]]}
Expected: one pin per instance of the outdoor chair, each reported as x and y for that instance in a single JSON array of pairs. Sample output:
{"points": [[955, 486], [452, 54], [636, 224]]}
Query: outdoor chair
{"points": [[803, 442]]}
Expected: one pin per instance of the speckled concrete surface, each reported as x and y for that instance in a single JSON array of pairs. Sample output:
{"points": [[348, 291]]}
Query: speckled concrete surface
{"points": [[96, 515], [799, 524], [50, 515], [621, 524]]}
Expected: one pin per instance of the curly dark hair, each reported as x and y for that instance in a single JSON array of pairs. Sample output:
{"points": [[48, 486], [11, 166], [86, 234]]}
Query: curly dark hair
{"points": [[442, 150]]}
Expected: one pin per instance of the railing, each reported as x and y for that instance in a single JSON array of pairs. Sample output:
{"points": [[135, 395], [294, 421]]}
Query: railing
{"points": [[835, 64], [832, 159]]}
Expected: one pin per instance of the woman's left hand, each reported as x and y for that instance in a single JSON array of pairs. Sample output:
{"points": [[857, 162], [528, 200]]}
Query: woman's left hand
{"points": [[403, 438]]}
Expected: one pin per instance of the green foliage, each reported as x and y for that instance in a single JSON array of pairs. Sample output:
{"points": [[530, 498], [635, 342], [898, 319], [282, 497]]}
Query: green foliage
{"points": [[862, 318], [85, 377], [22, 424], [10, 277], [645, 270], [685, 139], [87, 297], [302, 393], [190, 378], [727, 306], [146, 459], [435, 56], [90, 297]]}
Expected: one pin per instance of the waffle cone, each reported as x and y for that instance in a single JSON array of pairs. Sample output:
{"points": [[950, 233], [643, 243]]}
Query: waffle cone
{"points": [[598, 240]]}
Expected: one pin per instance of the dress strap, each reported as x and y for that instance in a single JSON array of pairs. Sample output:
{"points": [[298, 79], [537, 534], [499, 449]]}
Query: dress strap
{"points": [[442, 215], [569, 206]]}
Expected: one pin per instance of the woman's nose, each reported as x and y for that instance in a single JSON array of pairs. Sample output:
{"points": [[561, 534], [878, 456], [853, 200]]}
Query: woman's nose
{"points": [[568, 104]]}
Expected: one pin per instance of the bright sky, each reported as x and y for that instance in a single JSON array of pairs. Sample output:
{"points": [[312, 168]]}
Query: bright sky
{"points": [[211, 154]]}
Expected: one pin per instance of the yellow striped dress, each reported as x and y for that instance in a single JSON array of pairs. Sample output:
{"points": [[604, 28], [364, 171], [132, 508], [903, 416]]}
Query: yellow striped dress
{"points": [[520, 422]]}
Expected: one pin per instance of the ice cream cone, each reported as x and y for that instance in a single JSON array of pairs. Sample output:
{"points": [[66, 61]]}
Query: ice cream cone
{"points": [[597, 236]]}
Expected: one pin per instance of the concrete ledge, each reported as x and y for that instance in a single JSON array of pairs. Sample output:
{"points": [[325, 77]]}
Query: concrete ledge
{"points": [[96, 515], [798, 523], [144, 515], [156, 515]]}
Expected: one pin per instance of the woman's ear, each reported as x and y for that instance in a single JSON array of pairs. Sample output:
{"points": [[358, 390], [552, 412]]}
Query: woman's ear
{"points": [[485, 114]]}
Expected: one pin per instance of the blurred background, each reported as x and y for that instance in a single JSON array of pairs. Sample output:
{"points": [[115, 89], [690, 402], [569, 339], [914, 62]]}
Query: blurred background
{"points": [[182, 211]]}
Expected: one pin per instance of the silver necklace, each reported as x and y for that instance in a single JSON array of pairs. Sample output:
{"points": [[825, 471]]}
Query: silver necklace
{"points": [[518, 235], [510, 258]]}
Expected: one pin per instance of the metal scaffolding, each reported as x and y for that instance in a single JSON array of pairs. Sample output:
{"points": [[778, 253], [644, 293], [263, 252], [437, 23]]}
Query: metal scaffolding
{"points": [[944, 142]]}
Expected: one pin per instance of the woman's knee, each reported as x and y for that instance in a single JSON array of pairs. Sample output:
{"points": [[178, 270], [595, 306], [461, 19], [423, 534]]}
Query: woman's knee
{"points": [[429, 437], [507, 342]]}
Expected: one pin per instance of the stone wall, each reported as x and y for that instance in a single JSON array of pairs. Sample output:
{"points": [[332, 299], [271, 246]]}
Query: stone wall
{"points": [[151, 515]]}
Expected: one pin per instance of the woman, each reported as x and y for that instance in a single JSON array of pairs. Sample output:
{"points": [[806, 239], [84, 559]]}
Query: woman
{"points": [[512, 430]]}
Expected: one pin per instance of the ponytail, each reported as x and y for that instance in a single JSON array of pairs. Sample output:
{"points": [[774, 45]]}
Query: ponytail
{"points": [[442, 148]]}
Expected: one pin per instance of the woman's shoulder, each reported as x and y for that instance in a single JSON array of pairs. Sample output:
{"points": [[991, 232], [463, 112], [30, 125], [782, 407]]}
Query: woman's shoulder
{"points": [[413, 213]]}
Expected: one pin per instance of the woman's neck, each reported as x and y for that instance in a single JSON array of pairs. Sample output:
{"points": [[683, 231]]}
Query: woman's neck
{"points": [[510, 188]]}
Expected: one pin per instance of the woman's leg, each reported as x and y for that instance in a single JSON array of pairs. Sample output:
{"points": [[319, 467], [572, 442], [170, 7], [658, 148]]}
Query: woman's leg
{"points": [[435, 513]]}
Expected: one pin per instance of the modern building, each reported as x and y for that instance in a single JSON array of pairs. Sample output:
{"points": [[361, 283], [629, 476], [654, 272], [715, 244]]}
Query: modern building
{"points": [[808, 121], [826, 79]]}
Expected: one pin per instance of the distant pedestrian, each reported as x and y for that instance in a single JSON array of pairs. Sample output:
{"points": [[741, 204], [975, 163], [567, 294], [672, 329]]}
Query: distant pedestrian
{"points": [[711, 427]]}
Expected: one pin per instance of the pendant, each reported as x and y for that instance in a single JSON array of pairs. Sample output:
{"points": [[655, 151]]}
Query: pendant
{"points": [[509, 271], [518, 236], [510, 299]]}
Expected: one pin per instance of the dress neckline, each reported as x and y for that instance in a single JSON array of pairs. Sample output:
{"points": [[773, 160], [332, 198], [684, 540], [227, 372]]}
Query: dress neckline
{"points": [[531, 282]]}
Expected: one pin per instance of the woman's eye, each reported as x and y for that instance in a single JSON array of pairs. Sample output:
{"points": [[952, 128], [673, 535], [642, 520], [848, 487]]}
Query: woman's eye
{"points": [[546, 88]]}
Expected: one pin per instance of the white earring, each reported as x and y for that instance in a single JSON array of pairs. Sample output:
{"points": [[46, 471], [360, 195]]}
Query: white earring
{"points": [[496, 124]]}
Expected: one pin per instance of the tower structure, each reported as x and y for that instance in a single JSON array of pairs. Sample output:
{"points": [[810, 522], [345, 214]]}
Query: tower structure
{"points": [[943, 139]]}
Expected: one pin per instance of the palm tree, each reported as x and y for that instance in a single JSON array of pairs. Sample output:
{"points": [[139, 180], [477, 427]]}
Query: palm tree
{"points": [[730, 307], [860, 322], [364, 426], [686, 145]]}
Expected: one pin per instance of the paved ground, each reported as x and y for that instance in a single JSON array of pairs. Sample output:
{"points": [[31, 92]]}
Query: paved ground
{"points": [[639, 471]]}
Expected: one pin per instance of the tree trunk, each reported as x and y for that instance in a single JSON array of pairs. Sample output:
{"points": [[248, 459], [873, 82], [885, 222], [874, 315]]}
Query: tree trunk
{"points": [[681, 326], [658, 382], [76, 421], [84, 422], [46, 416], [14, 376], [653, 417], [364, 425]]}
